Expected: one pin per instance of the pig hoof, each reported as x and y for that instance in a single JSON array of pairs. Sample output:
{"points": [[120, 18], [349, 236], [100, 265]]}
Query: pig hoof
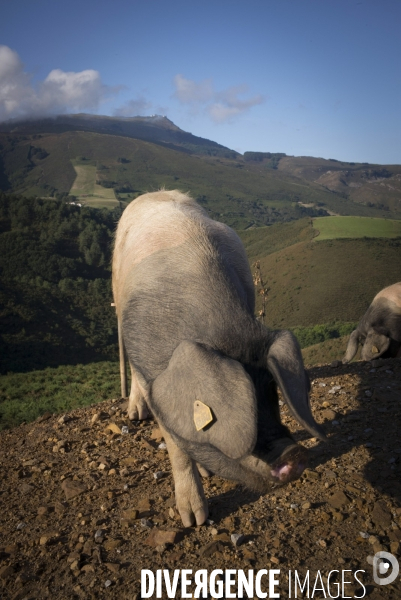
{"points": [[290, 465], [190, 518], [137, 411], [192, 507]]}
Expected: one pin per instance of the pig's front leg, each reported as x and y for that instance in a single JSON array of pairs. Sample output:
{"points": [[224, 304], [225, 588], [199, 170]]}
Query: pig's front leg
{"points": [[189, 496]]}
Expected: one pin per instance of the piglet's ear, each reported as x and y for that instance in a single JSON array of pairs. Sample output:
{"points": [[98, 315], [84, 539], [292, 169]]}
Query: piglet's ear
{"points": [[206, 398], [284, 361]]}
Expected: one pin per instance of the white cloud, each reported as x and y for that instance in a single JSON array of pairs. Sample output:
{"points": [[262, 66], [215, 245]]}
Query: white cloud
{"points": [[133, 108], [190, 92], [221, 106], [71, 91], [220, 113], [229, 105], [60, 92], [15, 86]]}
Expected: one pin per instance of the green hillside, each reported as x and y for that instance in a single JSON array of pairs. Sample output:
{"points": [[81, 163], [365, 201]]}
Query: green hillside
{"points": [[261, 241], [333, 280], [241, 192], [239, 196], [330, 228], [325, 282], [362, 184], [325, 352], [139, 154]]}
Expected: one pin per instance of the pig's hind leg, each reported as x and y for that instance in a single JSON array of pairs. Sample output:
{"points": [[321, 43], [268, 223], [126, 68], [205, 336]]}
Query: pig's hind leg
{"points": [[137, 407], [189, 495]]}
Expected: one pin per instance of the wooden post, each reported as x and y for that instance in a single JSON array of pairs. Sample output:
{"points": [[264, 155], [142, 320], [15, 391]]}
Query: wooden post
{"points": [[123, 360]]}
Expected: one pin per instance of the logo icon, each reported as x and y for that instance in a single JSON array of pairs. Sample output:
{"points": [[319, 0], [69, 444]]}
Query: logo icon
{"points": [[382, 563]]}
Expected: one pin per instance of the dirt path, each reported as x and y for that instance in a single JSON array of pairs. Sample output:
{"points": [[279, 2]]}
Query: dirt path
{"points": [[344, 508]]}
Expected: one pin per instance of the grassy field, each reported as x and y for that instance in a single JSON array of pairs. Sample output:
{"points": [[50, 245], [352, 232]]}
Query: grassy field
{"points": [[26, 396], [85, 180], [87, 191], [330, 228], [101, 197]]}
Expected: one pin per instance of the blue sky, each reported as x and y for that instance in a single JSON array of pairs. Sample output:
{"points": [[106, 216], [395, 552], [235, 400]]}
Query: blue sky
{"points": [[304, 77]]}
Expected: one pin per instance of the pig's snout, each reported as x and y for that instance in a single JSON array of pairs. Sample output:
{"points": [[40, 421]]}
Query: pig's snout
{"points": [[290, 465], [284, 462]]}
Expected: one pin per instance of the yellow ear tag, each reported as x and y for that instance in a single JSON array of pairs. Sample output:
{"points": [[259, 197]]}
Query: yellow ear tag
{"points": [[202, 415], [375, 350]]}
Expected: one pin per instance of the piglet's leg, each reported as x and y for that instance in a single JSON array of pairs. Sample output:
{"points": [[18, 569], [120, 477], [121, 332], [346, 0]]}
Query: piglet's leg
{"points": [[137, 407], [189, 496]]}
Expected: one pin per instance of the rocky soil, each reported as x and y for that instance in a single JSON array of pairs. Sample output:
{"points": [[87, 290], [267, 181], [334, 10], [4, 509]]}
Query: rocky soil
{"points": [[87, 500]]}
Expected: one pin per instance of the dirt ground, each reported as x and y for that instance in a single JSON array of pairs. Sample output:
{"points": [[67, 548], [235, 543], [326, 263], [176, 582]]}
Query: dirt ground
{"points": [[85, 507]]}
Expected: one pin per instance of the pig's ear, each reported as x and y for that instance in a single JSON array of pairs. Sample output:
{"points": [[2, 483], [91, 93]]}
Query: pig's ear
{"points": [[284, 361], [206, 398]]}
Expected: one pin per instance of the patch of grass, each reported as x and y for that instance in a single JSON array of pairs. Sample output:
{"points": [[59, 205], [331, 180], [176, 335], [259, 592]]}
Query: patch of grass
{"points": [[101, 198], [98, 202], [325, 352], [85, 180], [330, 228], [103, 193], [87, 191], [26, 396], [309, 336]]}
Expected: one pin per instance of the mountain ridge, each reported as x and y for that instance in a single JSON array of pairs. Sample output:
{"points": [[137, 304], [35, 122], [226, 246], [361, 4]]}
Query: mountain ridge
{"points": [[157, 129], [40, 158]]}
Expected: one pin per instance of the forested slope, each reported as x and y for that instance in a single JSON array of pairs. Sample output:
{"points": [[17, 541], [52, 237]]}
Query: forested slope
{"points": [[55, 288]]}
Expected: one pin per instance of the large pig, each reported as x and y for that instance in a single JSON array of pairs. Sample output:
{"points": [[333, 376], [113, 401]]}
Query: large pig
{"points": [[379, 330], [201, 362]]}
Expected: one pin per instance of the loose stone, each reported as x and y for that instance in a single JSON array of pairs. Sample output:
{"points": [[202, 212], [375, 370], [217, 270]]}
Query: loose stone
{"points": [[338, 499], [145, 523], [237, 539]]}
